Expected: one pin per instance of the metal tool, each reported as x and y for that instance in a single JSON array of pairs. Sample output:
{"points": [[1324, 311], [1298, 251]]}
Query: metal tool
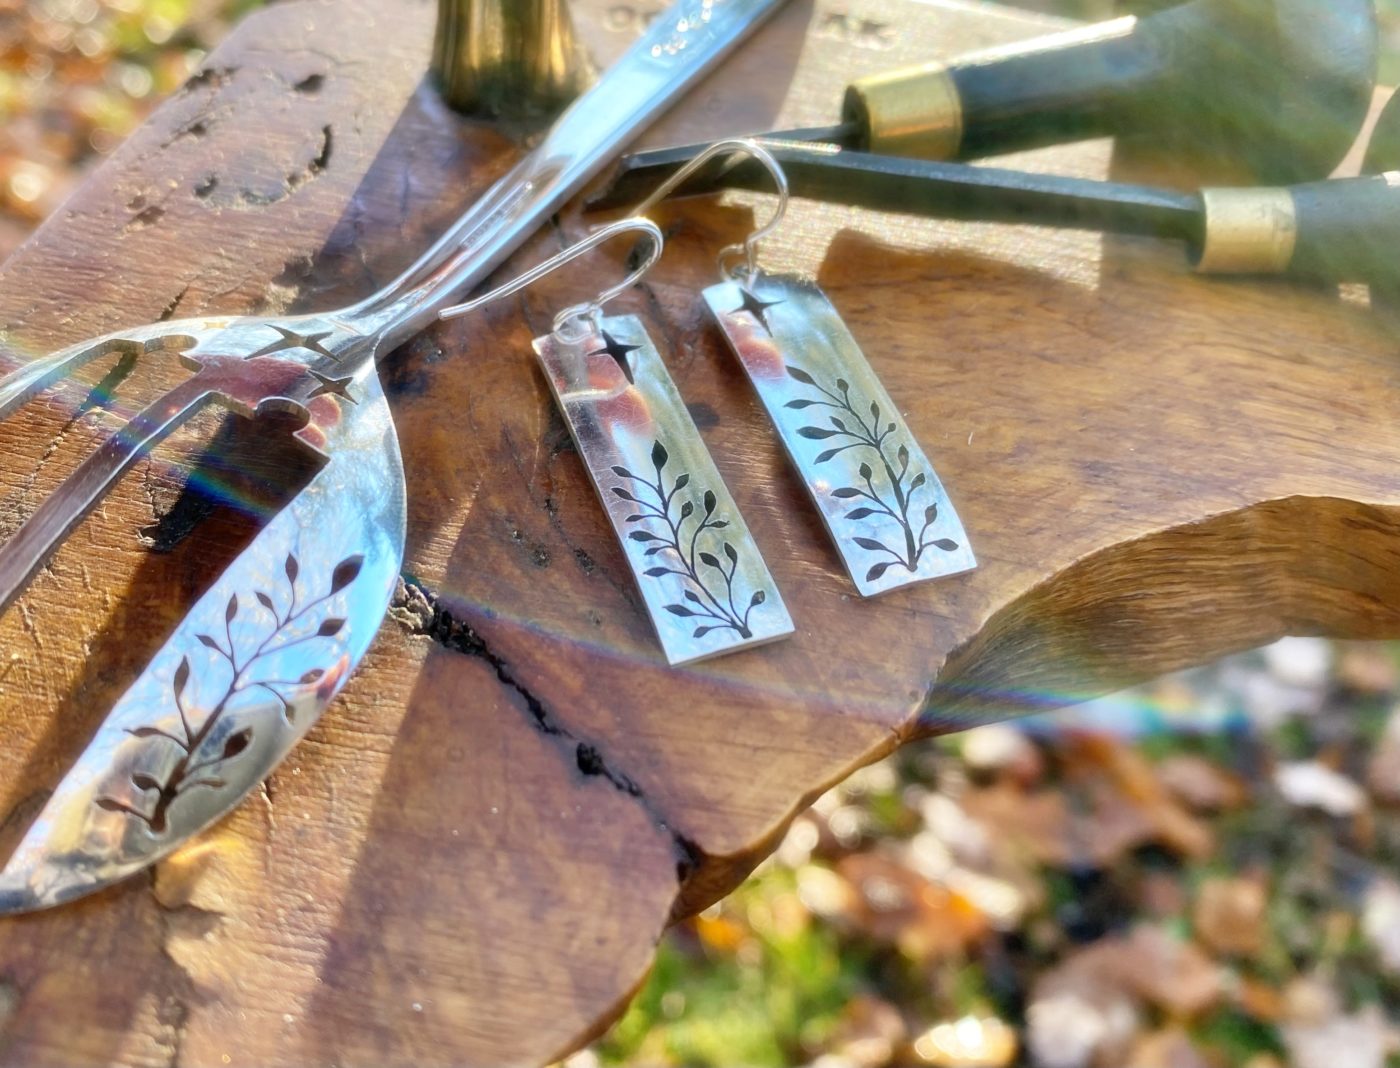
{"points": [[1279, 86], [1341, 230], [265, 649]]}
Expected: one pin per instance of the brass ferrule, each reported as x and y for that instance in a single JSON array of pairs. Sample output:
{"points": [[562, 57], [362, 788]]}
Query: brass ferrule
{"points": [[516, 59], [914, 111], [1248, 231]]}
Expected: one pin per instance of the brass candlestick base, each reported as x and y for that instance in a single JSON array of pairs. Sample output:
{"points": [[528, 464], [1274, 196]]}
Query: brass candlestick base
{"points": [[516, 59]]}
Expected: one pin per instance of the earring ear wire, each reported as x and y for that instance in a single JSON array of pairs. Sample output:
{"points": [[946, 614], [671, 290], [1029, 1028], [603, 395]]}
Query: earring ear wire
{"points": [[588, 310], [731, 147]]}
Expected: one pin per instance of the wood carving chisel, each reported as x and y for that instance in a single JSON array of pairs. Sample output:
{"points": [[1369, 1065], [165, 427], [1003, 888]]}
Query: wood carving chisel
{"points": [[1342, 230], [1280, 87]]}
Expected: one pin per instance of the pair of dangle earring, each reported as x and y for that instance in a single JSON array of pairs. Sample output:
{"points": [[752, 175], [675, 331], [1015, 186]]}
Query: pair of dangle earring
{"points": [[881, 501], [700, 574]]}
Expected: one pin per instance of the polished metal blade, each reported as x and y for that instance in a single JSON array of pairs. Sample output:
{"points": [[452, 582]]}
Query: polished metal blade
{"points": [[937, 190], [241, 680]]}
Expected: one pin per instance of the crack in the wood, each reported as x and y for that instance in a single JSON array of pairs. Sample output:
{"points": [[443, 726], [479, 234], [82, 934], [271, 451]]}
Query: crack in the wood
{"points": [[673, 337], [421, 612], [551, 510], [689, 857], [181, 993], [195, 128], [26, 618], [99, 396], [21, 493], [317, 165], [151, 503], [265, 791], [168, 312]]}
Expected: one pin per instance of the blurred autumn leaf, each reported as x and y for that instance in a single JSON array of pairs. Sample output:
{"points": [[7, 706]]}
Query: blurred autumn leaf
{"points": [[77, 76]]}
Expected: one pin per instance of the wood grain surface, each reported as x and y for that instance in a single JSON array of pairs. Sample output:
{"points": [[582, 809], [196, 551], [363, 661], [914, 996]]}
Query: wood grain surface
{"points": [[470, 859]]}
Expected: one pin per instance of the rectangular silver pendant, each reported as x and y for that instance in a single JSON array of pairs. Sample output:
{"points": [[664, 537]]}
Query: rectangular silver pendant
{"points": [[876, 490], [700, 574]]}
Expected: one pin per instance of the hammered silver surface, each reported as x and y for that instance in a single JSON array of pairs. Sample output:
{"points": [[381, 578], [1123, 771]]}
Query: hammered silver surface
{"points": [[701, 576], [879, 496]]}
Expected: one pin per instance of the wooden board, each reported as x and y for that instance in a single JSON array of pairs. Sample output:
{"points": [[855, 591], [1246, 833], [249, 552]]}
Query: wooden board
{"points": [[470, 859]]}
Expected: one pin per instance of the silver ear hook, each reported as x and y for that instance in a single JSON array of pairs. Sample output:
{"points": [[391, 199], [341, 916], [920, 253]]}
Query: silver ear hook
{"points": [[734, 145], [589, 310]]}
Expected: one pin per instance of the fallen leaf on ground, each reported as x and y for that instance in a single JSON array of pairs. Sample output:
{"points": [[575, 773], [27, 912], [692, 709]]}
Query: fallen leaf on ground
{"points": [[1201, 785], [869, 1032], [1171, 1048], [1309, 784], [1380, 922], [1367, 669], [1360, 1040], [1383, 771], [1150, 964], [895, 905], [1002, 749], [1079, 1022], [1229, 915]]}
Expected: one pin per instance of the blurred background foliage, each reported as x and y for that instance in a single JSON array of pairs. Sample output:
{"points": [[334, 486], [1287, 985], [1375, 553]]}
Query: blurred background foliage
{"points": [[1201, 873], [77, 76]]}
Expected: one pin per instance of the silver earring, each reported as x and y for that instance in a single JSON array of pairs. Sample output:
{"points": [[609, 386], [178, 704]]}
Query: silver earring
{"points": [[701, 576], [879, 496]]}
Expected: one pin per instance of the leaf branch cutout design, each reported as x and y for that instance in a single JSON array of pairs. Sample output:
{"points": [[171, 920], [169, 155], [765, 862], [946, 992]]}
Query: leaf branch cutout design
{"points": [[200, 764], [889, 487], [678, 552]]}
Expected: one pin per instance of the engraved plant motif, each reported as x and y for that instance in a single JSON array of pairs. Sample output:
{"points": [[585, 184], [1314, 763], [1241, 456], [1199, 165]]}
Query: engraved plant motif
{"points": [[891, 495], [199, 764], [680, 551]]}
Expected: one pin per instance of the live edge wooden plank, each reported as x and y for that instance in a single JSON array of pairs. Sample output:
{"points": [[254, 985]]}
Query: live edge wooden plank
{"points": [[470, 859]]}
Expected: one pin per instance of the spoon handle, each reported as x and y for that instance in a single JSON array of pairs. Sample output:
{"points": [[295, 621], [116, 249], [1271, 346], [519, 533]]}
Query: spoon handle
{"points": [[679, 47]]}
